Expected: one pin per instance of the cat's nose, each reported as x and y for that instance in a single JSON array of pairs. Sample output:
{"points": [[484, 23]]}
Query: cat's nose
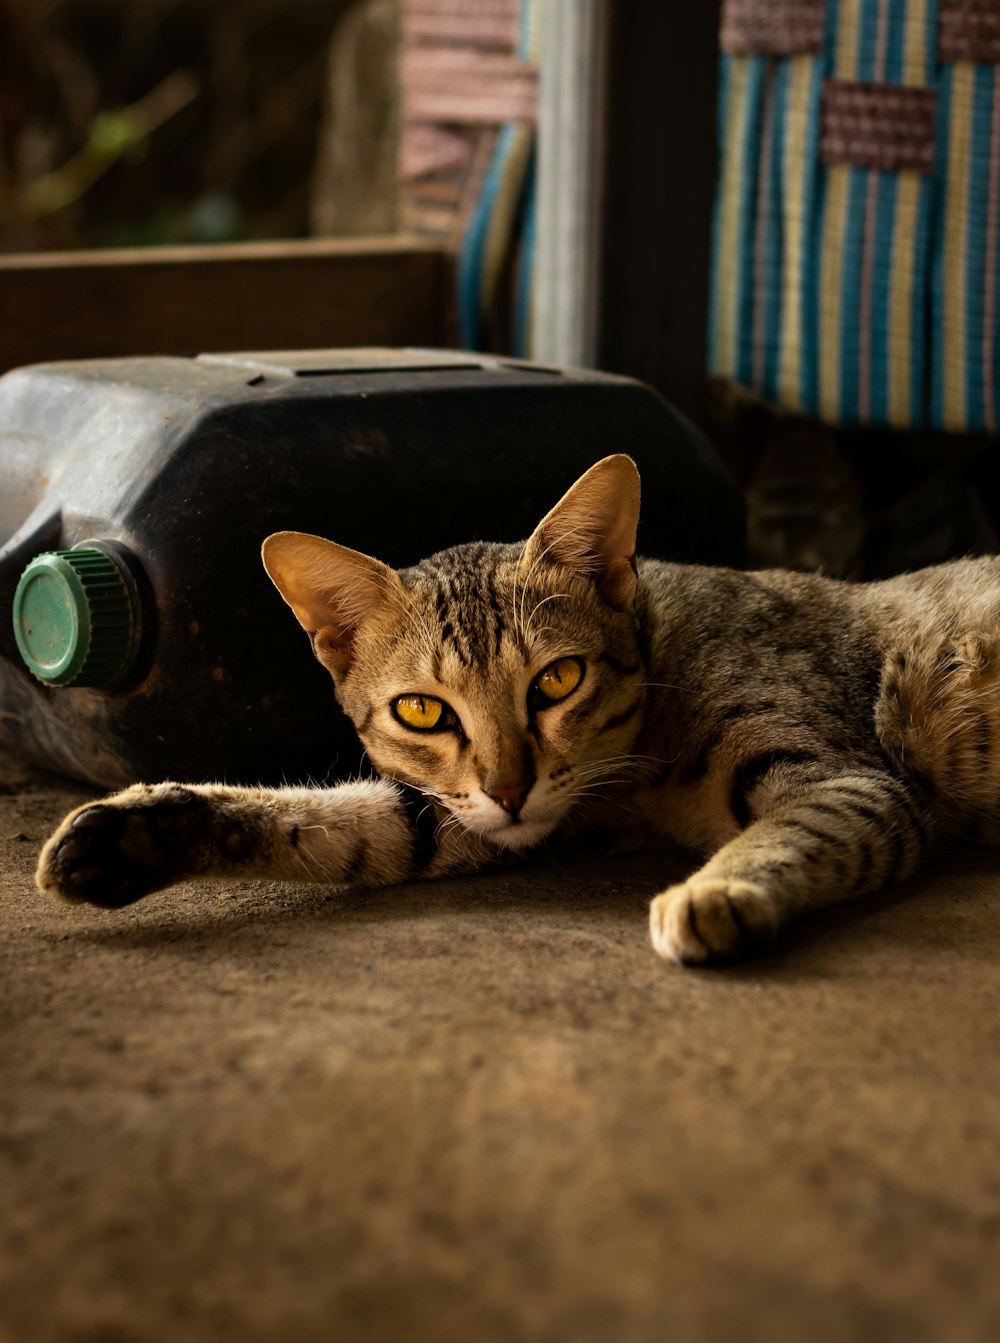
{"points": [[509, 796]]}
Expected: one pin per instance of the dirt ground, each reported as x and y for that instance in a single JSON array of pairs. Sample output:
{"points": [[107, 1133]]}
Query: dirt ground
{"points": [[484, 1111]]}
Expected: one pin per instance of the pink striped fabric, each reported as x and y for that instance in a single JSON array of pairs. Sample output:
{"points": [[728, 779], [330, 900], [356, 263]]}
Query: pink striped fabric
{"points": [[481, 23], [468, 87], [461, 80]]}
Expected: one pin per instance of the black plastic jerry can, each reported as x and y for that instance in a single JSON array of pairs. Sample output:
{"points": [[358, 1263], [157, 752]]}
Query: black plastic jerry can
{"points": [[140, 637]]}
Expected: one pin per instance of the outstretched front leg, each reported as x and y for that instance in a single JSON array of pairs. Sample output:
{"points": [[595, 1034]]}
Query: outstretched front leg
{"points": [[375, 833], [810, 842]]}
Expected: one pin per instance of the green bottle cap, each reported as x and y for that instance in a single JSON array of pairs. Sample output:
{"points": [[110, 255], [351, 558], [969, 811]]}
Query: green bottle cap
{"points": [[75, 619]]}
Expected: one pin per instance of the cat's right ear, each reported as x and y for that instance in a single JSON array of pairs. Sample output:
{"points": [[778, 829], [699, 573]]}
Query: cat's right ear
{"points": [[332, 590], [592, 530]]}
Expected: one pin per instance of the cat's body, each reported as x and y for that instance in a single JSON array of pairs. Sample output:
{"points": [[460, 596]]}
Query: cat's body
{"points": [[810, 736]]}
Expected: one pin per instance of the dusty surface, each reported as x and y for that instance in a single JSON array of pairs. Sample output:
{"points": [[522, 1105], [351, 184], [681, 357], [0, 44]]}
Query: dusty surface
{"points": [[484, 1111]]}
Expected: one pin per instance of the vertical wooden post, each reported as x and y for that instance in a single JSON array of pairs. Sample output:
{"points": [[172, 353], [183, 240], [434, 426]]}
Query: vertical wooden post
{"points": [[627, 155], [570, 158]]}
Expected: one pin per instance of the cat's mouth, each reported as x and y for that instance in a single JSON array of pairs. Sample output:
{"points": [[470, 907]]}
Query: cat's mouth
{"points": [[516, 833]]}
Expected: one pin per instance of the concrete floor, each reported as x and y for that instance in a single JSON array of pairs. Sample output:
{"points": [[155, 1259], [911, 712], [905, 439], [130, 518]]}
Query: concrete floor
{"points": [[484, 1111]]}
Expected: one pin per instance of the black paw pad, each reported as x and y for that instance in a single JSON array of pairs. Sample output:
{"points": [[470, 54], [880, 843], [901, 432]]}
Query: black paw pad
{"points": [[112, 856]]}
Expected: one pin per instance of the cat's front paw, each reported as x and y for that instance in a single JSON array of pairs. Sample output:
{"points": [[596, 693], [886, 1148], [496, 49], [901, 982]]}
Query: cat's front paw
{"points": [[113, 852], [711, 921]]}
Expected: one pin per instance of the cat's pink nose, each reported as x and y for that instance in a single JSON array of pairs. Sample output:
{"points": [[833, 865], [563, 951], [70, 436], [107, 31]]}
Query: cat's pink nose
{"points": [[509, 796]]}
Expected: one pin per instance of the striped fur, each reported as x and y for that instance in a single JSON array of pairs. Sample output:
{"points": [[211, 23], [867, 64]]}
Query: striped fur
{"points": [[810, 737]]}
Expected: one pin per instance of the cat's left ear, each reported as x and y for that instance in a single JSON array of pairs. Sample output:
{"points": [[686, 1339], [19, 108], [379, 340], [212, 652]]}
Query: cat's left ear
{"points": [[332, 590], [592, 530]]}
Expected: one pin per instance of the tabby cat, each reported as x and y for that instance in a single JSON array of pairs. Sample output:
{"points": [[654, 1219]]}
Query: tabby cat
{"points": [[809, 736]]}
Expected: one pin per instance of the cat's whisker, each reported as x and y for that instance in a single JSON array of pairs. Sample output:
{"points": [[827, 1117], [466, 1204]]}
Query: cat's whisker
{"points": [[634, 765], [599, 771], [613, 801], [640, 763], [593, 789], [589, 791], [613, 773], [566, 534], [520, 597], [449, 821], [317, 826], [552, 597]]}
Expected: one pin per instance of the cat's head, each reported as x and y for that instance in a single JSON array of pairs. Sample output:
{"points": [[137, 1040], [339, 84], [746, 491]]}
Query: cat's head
{"points": [[504, 680]]}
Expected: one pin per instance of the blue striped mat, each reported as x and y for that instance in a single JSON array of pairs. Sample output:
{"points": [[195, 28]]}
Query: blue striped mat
{"points": [[855, 267]]}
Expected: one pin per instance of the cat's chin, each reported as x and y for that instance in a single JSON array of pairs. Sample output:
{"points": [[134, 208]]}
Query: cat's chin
{"points": [[522, 835]]}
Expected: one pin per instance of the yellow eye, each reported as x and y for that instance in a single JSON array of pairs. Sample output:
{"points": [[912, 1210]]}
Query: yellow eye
{"points": [[558, 680], [421, 712]]}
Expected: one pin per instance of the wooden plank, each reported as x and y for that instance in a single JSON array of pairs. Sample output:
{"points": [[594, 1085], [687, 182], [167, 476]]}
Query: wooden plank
{"points": [[79, 305]]}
